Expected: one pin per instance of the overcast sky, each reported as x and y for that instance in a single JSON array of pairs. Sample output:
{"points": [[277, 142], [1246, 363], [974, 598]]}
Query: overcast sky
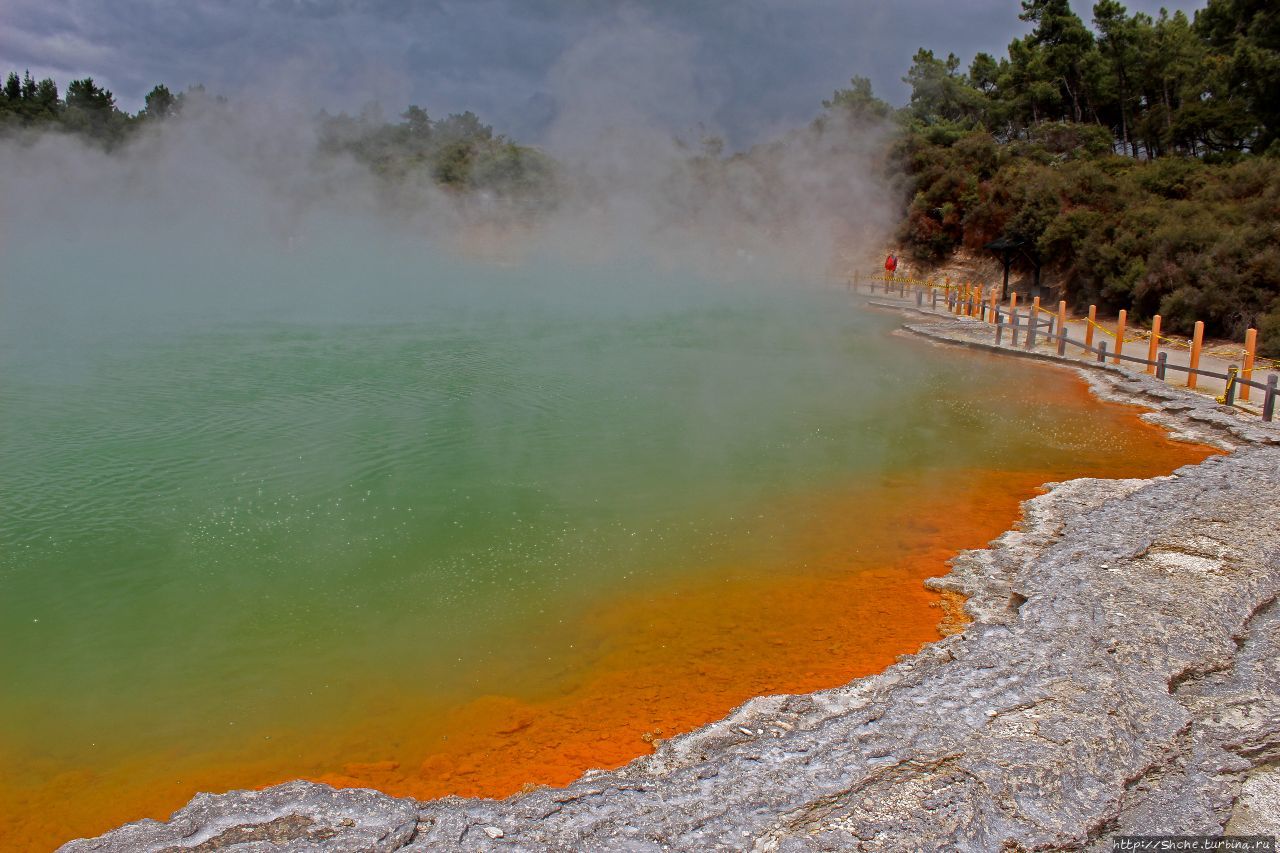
{"points": [[744, 68]]}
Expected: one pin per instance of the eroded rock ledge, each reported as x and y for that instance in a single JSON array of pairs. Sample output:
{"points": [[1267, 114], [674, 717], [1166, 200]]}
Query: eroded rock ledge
{"points": [[1121, 675]]}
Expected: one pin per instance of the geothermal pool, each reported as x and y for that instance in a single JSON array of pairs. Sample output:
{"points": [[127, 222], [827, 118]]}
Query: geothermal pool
{"points": [[435, 525]]}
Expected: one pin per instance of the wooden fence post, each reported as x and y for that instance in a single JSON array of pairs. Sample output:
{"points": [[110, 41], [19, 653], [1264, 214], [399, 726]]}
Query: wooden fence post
{"points": [[1013, 312], [1250, 348], [1102, 352], [1161, 359], [1120, 323], [1269, 399], [1154, 346], [995, 303], [1033, 323], [999, 328], [1062, 319], [1088, 326], [1197, 343]]}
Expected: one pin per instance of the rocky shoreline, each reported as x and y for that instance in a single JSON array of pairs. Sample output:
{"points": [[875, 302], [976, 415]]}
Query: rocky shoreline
{"points": [[1121, 675]]}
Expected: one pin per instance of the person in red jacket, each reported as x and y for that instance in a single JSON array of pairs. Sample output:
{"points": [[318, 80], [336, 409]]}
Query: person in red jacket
{"points": [[891, 264]]}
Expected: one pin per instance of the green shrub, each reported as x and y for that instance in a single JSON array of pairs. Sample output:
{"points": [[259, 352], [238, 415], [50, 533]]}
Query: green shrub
{"points": [[1182, 237]]}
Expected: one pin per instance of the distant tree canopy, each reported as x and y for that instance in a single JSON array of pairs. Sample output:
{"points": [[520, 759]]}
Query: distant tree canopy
{"points": [[1140, 157], [26, 102], [458, 152], [857, 103], [88, 110], [1161, 86]]}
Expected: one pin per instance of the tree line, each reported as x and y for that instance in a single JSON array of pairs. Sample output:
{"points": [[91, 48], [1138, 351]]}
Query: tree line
{"points": [[1138, 159], [458, 152], [1168, 85]]}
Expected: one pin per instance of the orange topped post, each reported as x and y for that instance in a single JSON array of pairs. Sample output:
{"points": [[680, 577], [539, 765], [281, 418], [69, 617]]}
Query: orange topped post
{"points": [[1250, 350], [1120, 323], [995, 303], [1154, 345], [1197, 343], [1088, 326], [1013, 316], [1062, 317]]}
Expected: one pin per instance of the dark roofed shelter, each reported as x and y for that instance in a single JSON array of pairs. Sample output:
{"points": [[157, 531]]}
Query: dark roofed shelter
{"points": [[1007, 247]]}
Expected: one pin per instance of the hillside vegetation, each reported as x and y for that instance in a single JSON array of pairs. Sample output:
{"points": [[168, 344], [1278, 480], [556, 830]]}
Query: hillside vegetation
{"points": [[1139, 158]]}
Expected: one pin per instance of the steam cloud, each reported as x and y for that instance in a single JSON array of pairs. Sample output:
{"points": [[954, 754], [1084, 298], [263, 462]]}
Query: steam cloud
{"points": [[250, 176]]}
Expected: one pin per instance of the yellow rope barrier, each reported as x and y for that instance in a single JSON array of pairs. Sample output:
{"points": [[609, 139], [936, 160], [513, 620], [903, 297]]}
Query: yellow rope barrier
{"points": [[1108, 331], [1180, 344], [1231, 381], [1100, 327], [914, 282], [1171, 341]]}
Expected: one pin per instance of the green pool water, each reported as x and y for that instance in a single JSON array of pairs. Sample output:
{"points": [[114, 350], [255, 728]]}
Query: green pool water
{"points": [[250, 485]]}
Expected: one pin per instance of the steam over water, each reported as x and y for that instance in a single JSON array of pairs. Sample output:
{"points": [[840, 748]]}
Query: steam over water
{"points": [[229, 474], [373, 460], [262, 490]]}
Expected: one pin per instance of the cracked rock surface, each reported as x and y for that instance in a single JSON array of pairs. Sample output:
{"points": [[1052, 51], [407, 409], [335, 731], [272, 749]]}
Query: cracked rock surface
{"points": [[1121, 676], [296, 816]]}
